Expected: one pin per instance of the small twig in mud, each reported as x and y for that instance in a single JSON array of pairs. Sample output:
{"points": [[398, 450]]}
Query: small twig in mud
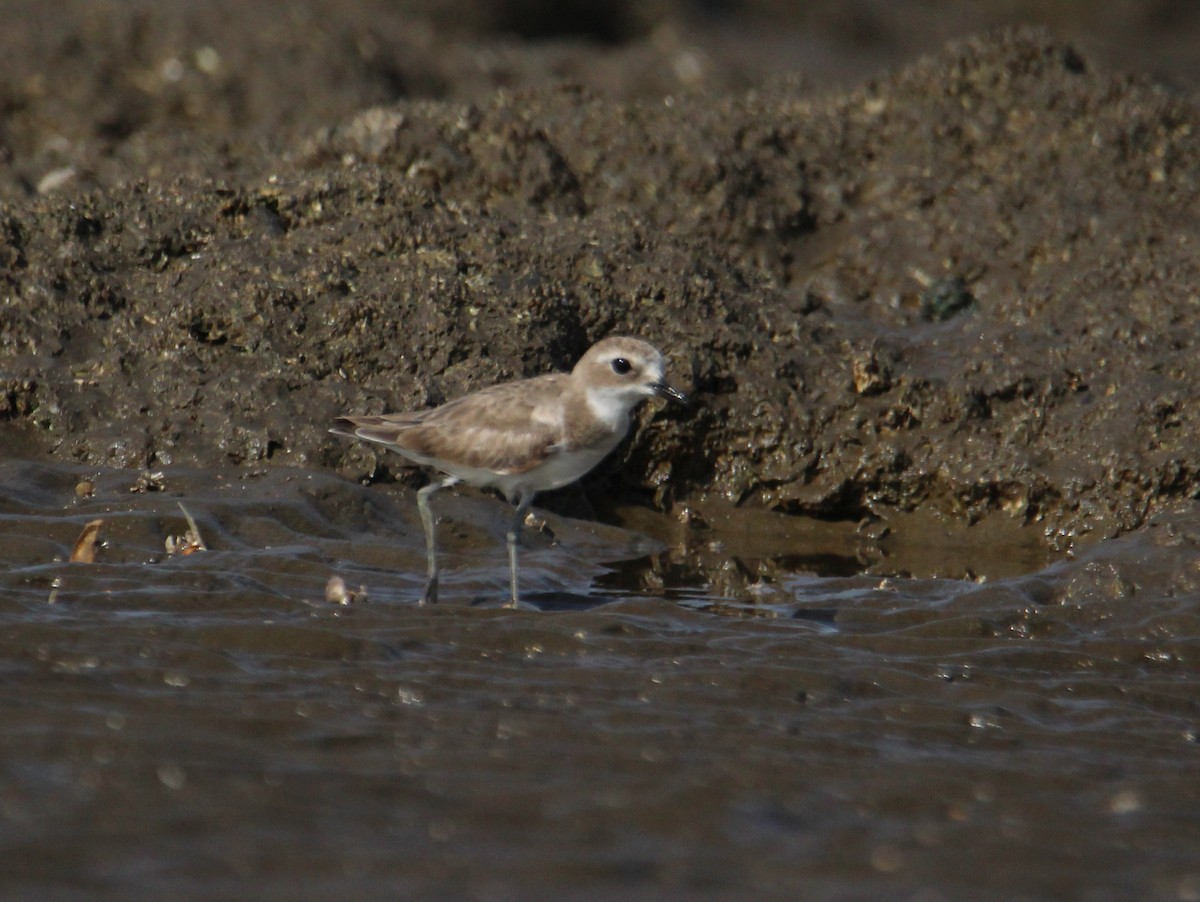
{"points": [[336, 592], [193, 530], [84, 551], [188, 543]]}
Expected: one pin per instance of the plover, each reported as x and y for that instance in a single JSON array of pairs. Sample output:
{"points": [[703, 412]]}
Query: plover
{"points": [[522, 437]]}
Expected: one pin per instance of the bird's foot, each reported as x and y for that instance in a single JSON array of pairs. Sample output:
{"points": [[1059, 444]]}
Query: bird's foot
{"points": [[430, 595], [537, 524]]}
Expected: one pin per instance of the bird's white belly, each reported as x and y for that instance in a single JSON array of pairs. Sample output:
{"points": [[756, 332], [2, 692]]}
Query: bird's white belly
{"points": [[559, 469], [562, 468]]}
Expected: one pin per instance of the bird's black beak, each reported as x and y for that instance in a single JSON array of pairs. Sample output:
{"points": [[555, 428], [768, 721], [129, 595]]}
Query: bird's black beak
{"points": [[669, 392]]}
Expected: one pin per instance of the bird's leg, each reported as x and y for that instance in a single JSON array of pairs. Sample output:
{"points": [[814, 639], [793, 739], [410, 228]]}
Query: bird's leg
{"points": [[430, 595], [513, 537]]}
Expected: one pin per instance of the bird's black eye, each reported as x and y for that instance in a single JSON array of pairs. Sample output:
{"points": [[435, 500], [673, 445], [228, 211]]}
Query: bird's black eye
{"points": [[621, 366]]}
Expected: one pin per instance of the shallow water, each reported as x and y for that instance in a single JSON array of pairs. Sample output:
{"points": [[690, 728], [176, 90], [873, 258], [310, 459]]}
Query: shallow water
{"points": [[209, 726]]}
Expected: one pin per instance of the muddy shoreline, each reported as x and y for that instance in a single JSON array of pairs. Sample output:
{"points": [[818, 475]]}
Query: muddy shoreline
{"points": [[209, 725], [906, 605], [965, 286]]}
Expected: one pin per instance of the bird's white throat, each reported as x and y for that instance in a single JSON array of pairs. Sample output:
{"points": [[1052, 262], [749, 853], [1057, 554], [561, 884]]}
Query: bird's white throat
{"points": [[611, 406]]}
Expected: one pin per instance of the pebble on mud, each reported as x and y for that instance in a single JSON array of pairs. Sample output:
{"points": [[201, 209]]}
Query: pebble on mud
{"points": [[149, 481], [872, 375], [337, 592]]}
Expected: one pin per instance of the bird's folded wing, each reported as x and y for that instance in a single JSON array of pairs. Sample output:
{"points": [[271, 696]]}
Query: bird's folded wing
{"points": [[509, 429]]}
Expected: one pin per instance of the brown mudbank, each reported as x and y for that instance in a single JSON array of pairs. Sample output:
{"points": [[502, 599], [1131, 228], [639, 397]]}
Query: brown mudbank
{"points": [[967, 287], [959, 298]]}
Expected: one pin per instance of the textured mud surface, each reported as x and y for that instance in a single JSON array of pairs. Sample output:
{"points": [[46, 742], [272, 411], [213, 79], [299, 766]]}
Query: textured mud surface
{"points": [[934, 288], [965, 286]]}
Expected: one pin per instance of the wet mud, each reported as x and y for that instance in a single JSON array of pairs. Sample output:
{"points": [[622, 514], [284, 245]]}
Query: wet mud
{"points": [[905, 605], [208, 724]]}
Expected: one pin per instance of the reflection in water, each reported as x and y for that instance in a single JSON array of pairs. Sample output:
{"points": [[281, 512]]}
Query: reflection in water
{"points": [[188, 724]]}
